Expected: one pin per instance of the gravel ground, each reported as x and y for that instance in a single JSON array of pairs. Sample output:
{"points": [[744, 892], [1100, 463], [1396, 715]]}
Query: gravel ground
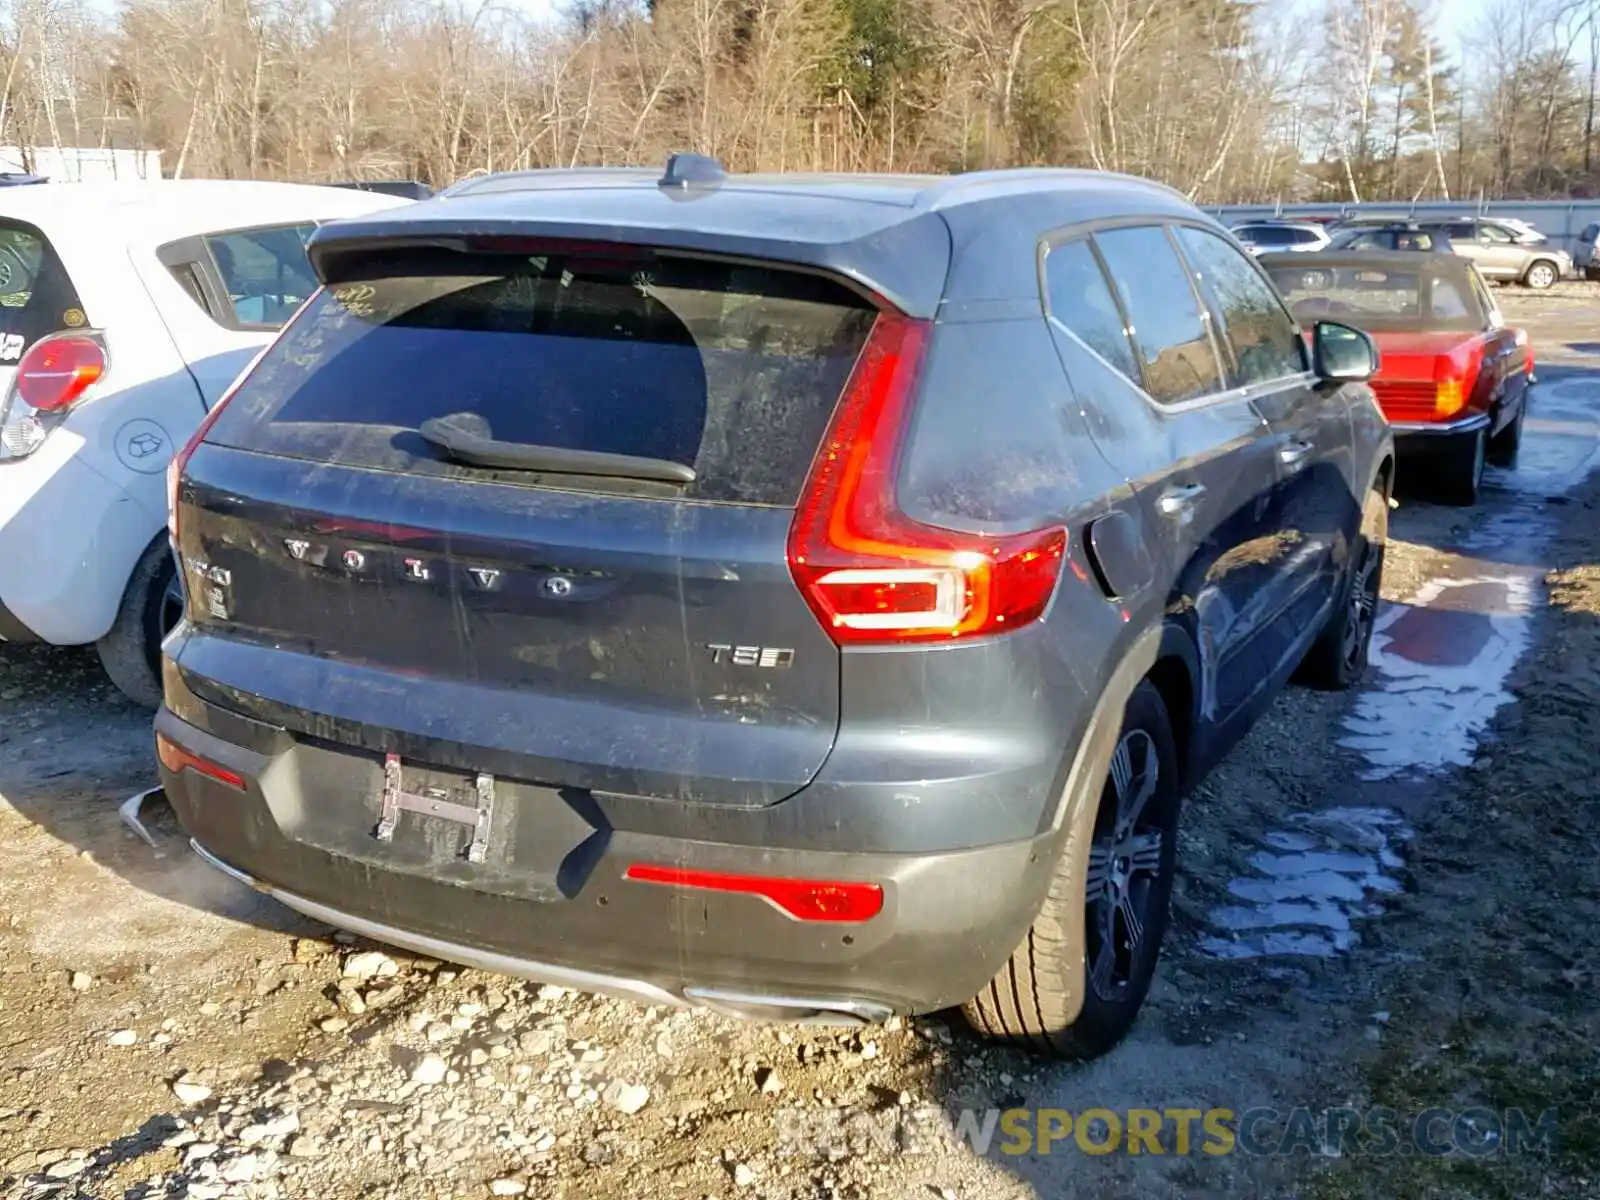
{"points": [[164, 1032]]}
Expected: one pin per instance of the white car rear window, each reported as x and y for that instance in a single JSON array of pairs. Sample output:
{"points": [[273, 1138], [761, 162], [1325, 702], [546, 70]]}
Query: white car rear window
{"points": [[37, 297]]}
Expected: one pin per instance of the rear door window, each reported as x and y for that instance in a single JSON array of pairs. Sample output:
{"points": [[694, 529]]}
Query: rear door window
{"points": [[1271, 235], [37, 297], [731, 369], [1177, 359], [265, 272], [1081, 302], [1263, 338]]}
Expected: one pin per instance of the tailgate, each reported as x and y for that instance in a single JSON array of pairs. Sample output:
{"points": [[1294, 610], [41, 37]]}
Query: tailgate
{"points": [[622, 632]]}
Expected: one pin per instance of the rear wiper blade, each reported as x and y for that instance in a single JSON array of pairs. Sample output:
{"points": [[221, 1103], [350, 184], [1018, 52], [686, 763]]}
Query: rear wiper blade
{"points": [[475, 450]]}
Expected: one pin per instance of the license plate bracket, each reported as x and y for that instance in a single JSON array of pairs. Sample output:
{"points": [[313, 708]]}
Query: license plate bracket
{"points": [[435, 802]]}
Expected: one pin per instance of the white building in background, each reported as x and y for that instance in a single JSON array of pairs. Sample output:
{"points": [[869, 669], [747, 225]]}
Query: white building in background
{"points": [[69, 164]]}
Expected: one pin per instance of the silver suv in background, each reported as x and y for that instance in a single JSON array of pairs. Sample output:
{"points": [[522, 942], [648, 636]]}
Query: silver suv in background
{"points": [[1506, 251], [1261, 236]]}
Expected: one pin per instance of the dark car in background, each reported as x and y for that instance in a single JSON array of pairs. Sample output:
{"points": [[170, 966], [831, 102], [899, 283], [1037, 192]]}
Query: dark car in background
{"points": [[804, 597], [1400, 236], [1585, 260], [405, 189], [1454, 377]]}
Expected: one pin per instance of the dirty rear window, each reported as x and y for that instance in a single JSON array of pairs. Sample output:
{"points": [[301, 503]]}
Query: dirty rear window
{"points": [[37, 297], [1436, 296], [729, 368]]}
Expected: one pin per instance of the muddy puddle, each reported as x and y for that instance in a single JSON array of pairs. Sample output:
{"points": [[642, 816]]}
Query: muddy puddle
{"points": [[1443, 660], [1310, 884]]}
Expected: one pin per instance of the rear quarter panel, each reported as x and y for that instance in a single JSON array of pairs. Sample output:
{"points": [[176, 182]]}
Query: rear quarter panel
{"points": [[84, 507]]}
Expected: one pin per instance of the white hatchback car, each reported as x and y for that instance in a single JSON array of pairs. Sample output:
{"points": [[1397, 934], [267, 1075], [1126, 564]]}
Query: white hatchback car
{"points": [[126, 311]]}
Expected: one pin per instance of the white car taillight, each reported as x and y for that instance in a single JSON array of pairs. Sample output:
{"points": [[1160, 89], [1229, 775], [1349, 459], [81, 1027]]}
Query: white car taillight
{"points": [[54, 376]]}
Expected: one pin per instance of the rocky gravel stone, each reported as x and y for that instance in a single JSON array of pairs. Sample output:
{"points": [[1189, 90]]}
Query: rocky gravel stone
{"points": [[190, 1091], [430, 1069], [371, 964], [627, 1098]]}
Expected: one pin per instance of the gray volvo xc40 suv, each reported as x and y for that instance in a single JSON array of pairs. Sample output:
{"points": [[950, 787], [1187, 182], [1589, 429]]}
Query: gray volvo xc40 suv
{"points": [[806, 597]]}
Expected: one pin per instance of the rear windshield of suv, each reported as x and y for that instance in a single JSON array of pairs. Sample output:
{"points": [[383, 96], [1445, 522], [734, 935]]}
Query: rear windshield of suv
{"points": [[36, 295], [729, 368]]}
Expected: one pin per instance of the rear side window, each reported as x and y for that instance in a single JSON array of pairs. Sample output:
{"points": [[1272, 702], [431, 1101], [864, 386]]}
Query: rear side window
{"points": [[731, 369], [1081, 302], [1410, 239], [1260, 333], [265, 272], [1176, 356], [1270, 235], [37, 298]]}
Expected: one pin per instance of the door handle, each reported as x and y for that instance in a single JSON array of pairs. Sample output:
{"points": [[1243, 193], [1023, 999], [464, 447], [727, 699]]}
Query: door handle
{"points": [[1179, 501], [1294, 452]]}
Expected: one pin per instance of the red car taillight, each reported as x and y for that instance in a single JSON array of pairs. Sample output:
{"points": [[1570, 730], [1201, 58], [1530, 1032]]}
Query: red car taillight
{"points": [[871, 573], [1455, 380]]}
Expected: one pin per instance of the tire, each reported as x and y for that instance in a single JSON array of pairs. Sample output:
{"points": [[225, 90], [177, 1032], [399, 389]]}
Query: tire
{"points": [[1507, 444], [1462, 467], [131, 652], [1026, 1001], [1541, 275], [1338, 658]]}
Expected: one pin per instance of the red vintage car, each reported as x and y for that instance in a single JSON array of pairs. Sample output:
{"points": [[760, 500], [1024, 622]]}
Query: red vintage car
{"points": [[1454, 376]]}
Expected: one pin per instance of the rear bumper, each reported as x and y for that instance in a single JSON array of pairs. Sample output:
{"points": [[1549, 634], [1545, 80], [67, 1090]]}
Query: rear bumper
{"points": [[551, 901], [1426, 439], [1425, 430]]}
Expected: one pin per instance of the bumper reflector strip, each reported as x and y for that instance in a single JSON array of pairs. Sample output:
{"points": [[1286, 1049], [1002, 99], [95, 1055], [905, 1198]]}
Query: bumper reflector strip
{"points": [[803, 899]]}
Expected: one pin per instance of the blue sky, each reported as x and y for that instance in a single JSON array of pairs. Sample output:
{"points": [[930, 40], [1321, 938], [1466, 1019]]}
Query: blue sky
{"points": [[1458, 17]]}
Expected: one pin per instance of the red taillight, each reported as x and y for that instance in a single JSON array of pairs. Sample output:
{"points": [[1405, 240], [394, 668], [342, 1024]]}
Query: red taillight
{"points": [[869, 572], [56, 371], [1455, 380], [177, 760], [803, 899]]}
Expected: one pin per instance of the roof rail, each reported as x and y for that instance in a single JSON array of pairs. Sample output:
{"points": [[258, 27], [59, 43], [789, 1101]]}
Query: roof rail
{"points": [[692, 170], [539, 178]]}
